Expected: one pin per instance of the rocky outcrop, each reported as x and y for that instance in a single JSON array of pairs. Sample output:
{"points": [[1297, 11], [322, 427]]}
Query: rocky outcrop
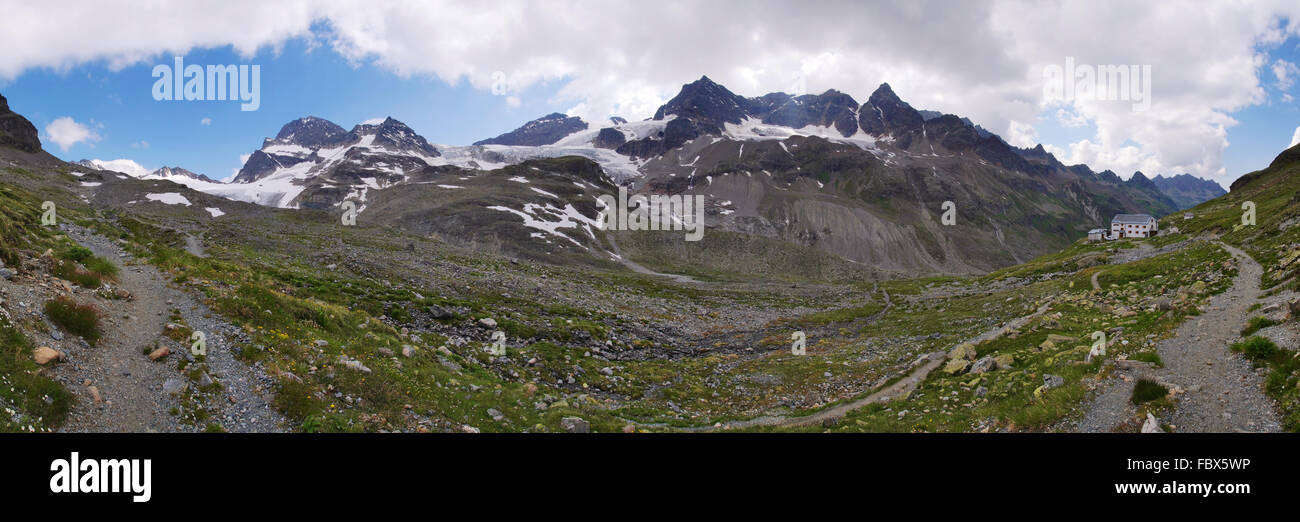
{"points": [[541, 131], [16, 131]]}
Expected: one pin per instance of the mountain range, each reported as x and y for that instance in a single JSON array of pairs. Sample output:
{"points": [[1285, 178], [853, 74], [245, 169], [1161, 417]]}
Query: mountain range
{"points": [[861, 181]]}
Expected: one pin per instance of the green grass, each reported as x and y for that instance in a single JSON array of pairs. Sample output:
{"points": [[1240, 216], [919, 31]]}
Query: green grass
{"points": [[1258, 349], [1256, 324], [75, 318], [1147, 390], [39, 403], [1151, 357]]}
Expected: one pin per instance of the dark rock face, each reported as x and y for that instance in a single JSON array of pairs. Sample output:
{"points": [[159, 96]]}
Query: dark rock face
{"points": [[886, 113], [395, 135], [609, 138], [299, 141], [542, 131], [312, 132], [708, 103], [16, 131], [829, 108], [1187, 190]]}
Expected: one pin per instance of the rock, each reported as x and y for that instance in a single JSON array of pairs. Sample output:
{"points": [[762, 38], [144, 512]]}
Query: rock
{"points": [[1046, 346], [1055, 338], [530, 389], [44, 355], [607, 371], [984, 364], [159, 353], [629, 429], [408, 351], [94, 394], [1003, 362], [963, 351], [386, 352], [495, 414], [205, 380], [321, 343], [487, 322], [575, 425], [353, 364], [439, 312], [1151, 425], [981, 391], [174, 386], [1052, 381], [6, 273], [468, 429], [956, 366]]}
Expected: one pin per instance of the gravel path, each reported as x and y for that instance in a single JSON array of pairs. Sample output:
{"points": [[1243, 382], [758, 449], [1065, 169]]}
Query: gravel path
{"points": [[131, 386], [1223, 393]]}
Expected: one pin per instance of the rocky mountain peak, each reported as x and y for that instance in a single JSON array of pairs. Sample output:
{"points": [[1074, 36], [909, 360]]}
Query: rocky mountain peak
{"points": [[886, 113], [16, 131], [541, 131], [393, 134], [311, 132], [707, 103]]}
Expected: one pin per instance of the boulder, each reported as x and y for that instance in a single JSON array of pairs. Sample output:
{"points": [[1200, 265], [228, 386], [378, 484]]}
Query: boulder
{"points": [[575, 425], [1151, 425], [963, 351], [1003, 362], [487, 322], [984, 364], [956, 366], [159, 353], [1052, 381], [44, 355], [408, 351]]}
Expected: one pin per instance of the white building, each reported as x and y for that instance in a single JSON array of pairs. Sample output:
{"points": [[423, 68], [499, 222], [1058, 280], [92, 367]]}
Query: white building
{"points": [[1133, 225], [1097, 234]]}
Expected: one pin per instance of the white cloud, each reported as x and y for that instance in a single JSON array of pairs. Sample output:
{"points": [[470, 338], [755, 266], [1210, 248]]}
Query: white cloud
{"points": [[978, 59], [1021, 134], [1295, 138], [125, 166], [1286, 73], [66, 132], [205, 121], [140, 145]]}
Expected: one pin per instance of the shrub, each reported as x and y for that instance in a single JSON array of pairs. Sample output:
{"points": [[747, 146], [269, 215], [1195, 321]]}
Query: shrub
{"points": [[69, 271], [1256, 324], [1147, 390], [1151, 357], [1257, 348], [77, 319]]}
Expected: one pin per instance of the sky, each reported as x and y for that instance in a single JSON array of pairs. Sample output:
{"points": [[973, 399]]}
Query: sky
{"points": [[1214, 83]]}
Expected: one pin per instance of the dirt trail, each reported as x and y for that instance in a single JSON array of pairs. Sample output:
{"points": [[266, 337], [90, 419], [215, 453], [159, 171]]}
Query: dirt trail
{"points": [[131, 386], [1223, 393]]}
